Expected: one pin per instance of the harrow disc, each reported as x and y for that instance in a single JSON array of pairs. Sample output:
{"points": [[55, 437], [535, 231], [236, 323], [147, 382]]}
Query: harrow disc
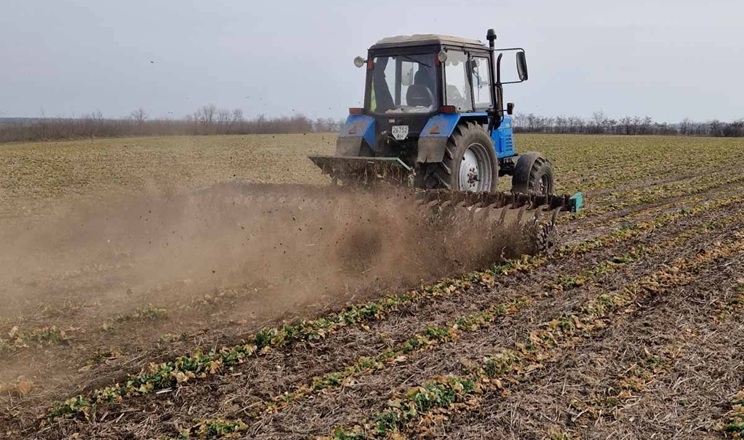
{"points": [[534, 216]]}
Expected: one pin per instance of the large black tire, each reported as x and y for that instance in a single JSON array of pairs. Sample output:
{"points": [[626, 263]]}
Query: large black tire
{"points": [[470, 162], [533, 174]]}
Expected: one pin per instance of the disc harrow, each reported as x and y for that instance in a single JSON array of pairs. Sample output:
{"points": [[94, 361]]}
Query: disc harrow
{"points": [[533, 215]]}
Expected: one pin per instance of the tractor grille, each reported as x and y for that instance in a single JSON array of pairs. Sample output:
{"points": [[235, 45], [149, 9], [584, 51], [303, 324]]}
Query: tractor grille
{"points": [[508, 143]]}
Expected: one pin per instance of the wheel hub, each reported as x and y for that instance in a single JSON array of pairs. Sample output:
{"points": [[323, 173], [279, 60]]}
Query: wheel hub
{"points": [[475, 170]]}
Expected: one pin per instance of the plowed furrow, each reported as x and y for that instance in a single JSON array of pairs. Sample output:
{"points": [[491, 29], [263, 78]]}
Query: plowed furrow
{"points": [[403, 313], [647, 367], [541, 345], [607, 174], [449, 359], [655, 197], [694, 396], [573, 230], [640, 189], [261, 385], [672, 177]]}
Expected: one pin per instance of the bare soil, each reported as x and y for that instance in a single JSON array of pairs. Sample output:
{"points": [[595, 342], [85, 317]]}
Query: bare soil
{"points": [[102, 289]]}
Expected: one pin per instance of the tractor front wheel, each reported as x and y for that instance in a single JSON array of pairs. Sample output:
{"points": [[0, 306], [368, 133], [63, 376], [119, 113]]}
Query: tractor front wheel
{"points": [[533, 174], [470, 162]]}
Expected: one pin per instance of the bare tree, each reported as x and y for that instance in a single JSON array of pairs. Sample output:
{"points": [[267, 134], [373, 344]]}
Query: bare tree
{"points": [[599, 119], [237, 115], [205, 115], [224, 119], [139, 116]]}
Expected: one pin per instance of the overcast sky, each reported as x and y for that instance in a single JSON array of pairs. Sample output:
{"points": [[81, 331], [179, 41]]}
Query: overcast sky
{"points": [[666, 59]]}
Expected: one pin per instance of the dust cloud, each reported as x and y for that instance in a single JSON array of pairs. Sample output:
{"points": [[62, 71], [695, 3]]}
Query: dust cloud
{"points": [[286, 245]]}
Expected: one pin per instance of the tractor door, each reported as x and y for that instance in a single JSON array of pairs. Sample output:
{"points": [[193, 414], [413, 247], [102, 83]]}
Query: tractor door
{"points": [[480, 79]]}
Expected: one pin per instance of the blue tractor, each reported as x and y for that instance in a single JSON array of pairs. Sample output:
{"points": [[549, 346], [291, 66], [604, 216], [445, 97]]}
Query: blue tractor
{"points": [[434, 118]]}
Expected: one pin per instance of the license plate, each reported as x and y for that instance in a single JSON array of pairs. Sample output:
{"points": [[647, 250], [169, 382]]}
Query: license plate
{"points": [[400, 132]]}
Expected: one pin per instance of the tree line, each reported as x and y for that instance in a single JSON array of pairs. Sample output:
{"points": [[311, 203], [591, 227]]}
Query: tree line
{"points": [[600, 123], [207, 120], [210, 120]]}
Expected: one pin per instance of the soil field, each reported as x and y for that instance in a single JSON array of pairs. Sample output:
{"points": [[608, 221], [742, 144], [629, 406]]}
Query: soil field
{"points": [[145, 295]]}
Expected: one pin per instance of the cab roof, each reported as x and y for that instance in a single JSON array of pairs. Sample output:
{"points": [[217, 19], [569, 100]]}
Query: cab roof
{"points": [[427, 39]]}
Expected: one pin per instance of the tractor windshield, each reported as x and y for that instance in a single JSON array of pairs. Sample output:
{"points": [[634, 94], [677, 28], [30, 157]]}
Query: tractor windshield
{"points": [[403, 84]]}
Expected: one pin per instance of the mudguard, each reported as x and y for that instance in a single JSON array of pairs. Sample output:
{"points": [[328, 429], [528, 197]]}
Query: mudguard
{"points": [[356, 129], [434, 137]]}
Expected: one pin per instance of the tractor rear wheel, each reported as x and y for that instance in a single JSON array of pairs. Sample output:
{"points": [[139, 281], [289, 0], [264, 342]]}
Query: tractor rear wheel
{"points": [[533, 174], [469, 164]]}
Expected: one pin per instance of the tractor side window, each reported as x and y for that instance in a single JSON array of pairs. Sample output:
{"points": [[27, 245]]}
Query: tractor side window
{"points": [[383, 83], [457, 87], [481, 80]]}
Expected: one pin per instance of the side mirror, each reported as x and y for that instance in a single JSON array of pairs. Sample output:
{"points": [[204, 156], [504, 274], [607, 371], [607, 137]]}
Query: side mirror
{"points": [[522, 66], [509, 108], [359, 61]]}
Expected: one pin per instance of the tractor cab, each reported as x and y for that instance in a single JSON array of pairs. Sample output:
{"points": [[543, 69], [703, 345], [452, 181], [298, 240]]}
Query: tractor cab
{"points": [[411, 79], [421, 74]]}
